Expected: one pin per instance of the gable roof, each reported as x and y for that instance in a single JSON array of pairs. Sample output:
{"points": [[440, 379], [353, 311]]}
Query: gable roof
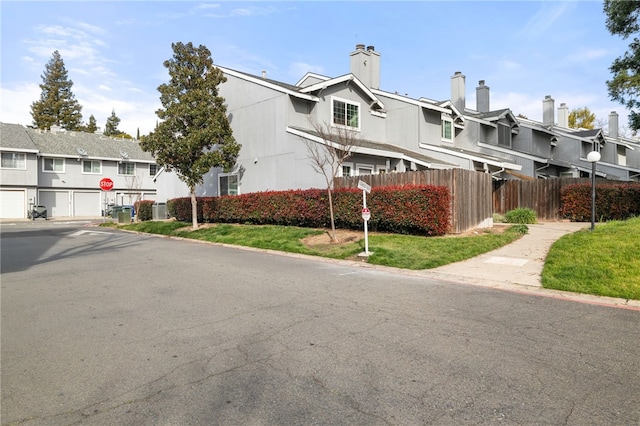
{"points": [[14, 137], [271, 84], [347, 78], [87, 145]]}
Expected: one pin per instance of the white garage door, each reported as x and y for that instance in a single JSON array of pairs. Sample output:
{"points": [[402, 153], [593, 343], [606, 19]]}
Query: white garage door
{"points": [[12, 205], [86, 204], [56, 203]]}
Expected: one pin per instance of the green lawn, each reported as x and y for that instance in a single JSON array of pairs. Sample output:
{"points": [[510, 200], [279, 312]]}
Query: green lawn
{"points": [[604, 262]]}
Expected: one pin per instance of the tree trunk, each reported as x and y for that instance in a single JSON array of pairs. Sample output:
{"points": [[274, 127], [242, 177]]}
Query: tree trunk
{"points": [[333, 223], [194, 209]]}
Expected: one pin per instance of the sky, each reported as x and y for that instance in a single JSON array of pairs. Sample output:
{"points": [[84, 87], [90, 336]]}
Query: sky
{"points": [[114, 51]]}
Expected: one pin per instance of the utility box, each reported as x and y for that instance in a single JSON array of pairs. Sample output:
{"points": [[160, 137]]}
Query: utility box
{"points": [[159, 211], [124, 215]]}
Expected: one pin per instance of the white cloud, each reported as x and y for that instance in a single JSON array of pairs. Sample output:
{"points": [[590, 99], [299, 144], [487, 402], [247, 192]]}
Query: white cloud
{"points": [[15, 103], [538, 25]]}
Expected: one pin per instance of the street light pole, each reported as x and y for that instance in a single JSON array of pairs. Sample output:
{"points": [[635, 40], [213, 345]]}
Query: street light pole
{"points": [[593, 157]]}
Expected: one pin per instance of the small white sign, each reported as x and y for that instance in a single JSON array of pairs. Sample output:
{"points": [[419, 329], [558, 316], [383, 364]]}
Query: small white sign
{"points": [[366, 214], [364, 186]]}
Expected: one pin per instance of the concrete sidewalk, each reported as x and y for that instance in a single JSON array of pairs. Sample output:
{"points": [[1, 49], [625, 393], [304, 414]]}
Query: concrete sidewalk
{"points": [[520, 262]]}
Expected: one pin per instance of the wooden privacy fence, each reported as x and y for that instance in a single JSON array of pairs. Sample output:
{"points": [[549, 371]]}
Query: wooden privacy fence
{"points": [[471, 203], [541, 195]]}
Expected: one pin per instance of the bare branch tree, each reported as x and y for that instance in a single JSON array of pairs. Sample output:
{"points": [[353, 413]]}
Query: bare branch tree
{"points": [[327, 157]]}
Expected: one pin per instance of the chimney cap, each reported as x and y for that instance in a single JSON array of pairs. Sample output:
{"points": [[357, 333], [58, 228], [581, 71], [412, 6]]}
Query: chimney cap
{"points": [[371, 48], [481, 82], [547, 97], [359, 46]]}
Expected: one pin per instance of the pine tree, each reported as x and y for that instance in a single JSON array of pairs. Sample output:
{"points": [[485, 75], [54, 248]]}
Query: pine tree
{"points": [[111, 128], [92, 127], [195, 134], [57, 105]]}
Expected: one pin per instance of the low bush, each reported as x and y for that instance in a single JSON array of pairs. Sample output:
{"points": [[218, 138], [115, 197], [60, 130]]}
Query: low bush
{"points": [[144, 209], [618, 201], [423, 210], [521, 215]]}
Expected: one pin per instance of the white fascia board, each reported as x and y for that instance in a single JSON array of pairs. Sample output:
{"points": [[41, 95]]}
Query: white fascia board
{"points": [[501, 164], [19, 150], [411, 101], [312, 75], [619, 142], [361, 150], [481, 121], [512, 152], [92, 158], [343, 79], [272, 86]]}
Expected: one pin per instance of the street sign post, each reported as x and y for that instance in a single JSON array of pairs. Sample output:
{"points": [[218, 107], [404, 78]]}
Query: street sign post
{"points": [[366, 215], [106, 184]]}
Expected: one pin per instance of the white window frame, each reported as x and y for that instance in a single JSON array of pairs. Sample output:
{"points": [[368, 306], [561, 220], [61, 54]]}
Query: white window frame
{"points": [[222, 175], [364, 166], [350, 170], [156, 167], [347, 103], [92, 163], [382, 170], [126, 164], [54, 162], [446, 120], [621, 154], [506, 129], [18, 161]]}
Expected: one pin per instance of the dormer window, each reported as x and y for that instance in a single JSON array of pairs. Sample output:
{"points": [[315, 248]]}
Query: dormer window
{"points": [[504, 135], [447, 129], [345, 113]]}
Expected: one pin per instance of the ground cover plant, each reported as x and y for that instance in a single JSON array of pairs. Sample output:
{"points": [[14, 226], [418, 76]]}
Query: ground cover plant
{"points": [[603, 262], [396, 250]]}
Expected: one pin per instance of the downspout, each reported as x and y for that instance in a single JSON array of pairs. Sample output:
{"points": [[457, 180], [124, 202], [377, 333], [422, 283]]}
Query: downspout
{"points": [[493, 175]]}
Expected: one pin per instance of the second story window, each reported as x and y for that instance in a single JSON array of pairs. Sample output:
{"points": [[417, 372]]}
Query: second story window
{"points": [[53, 165], [128, 169], [91, 166], [153, 169], [13, 160], [504, 135], [346, 171], [346, 113], [447, 130]]}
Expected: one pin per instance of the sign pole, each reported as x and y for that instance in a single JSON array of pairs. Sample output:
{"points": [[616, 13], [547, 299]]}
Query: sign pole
{"points": [[366, 221], [366, 215]]}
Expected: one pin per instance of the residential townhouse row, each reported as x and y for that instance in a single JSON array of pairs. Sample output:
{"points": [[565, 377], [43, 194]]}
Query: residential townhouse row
{"points": [[274, 122]]}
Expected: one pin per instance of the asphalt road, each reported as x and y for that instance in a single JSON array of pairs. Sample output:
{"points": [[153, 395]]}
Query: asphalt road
{"points": [[101, 327]]}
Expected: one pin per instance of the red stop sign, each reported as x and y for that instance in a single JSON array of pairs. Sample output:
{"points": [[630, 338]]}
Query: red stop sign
{"points": [[106, 184]]}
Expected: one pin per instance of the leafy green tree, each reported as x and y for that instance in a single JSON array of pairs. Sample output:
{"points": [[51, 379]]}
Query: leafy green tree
{"points": [[194, 134], [581, 118], [623, 19], [92, 127], [57, 105], [111, 127]]}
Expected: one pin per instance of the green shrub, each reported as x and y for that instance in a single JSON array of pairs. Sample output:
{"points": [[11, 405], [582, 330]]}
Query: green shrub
{"points": [[519, 228], [144, 210], [521, 215], [618, 201], [415, 209]]}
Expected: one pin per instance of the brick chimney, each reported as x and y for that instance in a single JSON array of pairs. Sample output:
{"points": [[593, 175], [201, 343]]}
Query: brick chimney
{"points": [[457, 91], [482, 97], [365, 65], [563, 115], [548, 105], [613, 125]]}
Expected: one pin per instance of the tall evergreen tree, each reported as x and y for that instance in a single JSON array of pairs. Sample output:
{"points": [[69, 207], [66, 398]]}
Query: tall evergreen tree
{"points": [[111, 128], [623, 19], [92, 127], [195, 134], [57, 105]]}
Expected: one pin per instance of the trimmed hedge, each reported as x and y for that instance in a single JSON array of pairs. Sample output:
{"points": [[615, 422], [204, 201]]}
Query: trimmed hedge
{"points": [[143, 209], [616, 201], [422, 210]]}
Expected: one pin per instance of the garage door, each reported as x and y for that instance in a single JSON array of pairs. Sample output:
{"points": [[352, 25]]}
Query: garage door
{"points": [[86, 204], [56, 202], [12, 204]]}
